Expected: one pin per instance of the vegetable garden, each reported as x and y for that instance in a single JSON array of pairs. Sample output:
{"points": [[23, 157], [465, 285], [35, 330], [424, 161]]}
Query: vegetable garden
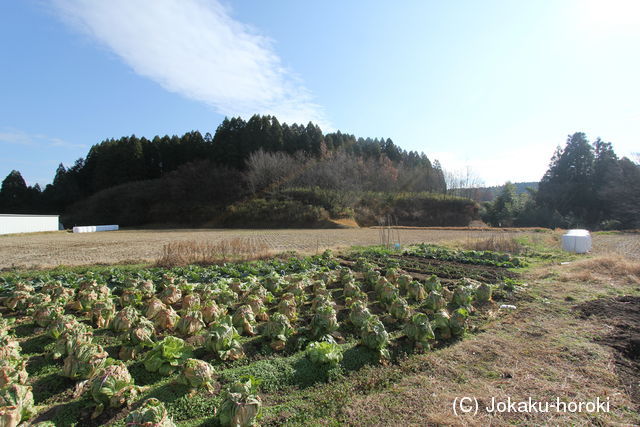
{"points": [[206, 345]]}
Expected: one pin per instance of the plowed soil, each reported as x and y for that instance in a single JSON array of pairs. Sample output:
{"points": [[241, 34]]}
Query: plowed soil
{"points": [[622, 314]]}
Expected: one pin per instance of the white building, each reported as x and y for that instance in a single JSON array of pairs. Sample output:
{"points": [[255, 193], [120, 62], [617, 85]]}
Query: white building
{"points": [[15, 223]]}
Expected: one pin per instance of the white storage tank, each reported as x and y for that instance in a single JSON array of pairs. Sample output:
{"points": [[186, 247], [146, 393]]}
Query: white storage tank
{"points": [[577, 241], [18, 223]]}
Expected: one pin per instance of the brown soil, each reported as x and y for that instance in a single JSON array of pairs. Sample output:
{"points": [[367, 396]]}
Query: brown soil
{"points": [[623, 315]]}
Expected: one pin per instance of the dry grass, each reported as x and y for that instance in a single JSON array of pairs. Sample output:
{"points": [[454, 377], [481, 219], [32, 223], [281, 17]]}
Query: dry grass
{"points": [[183, 253], [496, 243], [612, 266]]}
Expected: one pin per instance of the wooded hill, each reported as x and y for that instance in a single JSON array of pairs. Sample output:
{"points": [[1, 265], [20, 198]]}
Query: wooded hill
{"points": [[255, 173]]}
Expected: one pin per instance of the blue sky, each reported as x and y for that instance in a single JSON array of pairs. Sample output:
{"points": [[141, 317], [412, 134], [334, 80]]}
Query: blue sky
{"points": [[492, 85]]}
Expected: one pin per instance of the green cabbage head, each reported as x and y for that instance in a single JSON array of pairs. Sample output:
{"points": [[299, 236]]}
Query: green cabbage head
{"points": [[167, 356], [324, 353]]}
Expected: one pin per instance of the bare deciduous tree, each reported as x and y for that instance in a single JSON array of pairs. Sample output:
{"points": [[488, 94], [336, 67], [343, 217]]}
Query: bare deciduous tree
{"points": [[271, 171]]}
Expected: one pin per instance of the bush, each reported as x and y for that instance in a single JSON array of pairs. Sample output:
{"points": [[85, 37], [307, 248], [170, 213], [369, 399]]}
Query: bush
{"points": [[263, 213]]}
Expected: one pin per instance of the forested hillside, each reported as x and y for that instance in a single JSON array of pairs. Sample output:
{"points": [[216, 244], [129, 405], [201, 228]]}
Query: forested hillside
{"points": [[249, 173]]}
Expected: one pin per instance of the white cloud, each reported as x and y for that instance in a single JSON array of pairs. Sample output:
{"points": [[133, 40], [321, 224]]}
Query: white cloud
{"points": [[19, 137], [195, 48]]}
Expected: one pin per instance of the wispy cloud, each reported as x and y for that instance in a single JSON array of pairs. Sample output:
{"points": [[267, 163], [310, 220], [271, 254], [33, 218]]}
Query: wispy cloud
{"points": [[195, 48], [19, 137]]}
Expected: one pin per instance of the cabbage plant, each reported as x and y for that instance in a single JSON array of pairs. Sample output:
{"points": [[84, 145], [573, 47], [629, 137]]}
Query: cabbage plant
{"points": [[458, 322], [392, 274], [440, 324], [241, 405], [322, 299], [112, 387], [403, 282], [244, 320], [171, 295], [60, 324], [387, 292], [419, 330], [152, 413], [223, 339], [374, 336], [324, 353], [400, 309], [351, 288], [359, 314], [288, 307], [211, 311], [9, 347], [103, 313], [416, 291], [5, 325], [345, 275], [130, 297], [13, 371], [88, 294], [435, 301], [16, 404], [257, 307], [85, 360], [483, 293], [462, 297], [125, 319], [71, 338], [433, 284], [190, 302], [146, 288], [45, 313], [59, 292], [323, 322], [278, 330], [138, 338], [153, 307], [197, 374], [166, 356], [166, 319], [190, 323], [273, 282]]}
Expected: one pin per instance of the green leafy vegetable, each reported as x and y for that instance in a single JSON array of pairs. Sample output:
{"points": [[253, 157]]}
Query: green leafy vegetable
{"points": [[324, 353], [166, 356]]}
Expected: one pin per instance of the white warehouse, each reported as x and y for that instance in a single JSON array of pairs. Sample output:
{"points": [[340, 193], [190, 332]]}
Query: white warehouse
{"points": [[15, 223]]}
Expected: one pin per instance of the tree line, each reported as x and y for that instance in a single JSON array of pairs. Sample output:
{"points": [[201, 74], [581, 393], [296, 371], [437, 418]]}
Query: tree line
{"points": [[586, 185], [238, 148]]}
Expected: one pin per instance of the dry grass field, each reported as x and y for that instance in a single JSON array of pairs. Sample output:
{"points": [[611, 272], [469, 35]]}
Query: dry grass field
{"points": [[42, 250]]}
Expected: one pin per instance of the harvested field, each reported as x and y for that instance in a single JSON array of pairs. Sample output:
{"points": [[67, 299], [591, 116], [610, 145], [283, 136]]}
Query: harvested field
{"points": [[43, 250]]}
